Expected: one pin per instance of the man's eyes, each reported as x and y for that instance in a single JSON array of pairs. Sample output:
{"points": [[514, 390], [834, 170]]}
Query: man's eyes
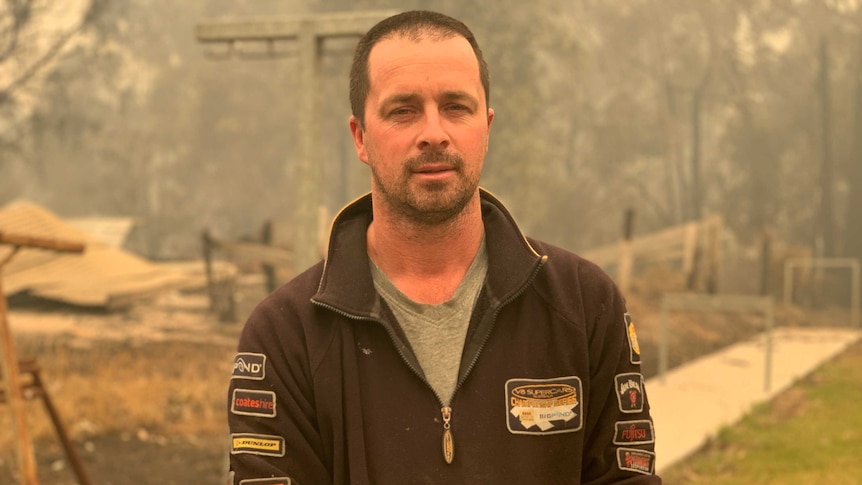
{"points": [[406, 111]]}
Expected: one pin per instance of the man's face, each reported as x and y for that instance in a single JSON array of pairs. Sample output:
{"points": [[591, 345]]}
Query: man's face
{"points": [[426, 127]]}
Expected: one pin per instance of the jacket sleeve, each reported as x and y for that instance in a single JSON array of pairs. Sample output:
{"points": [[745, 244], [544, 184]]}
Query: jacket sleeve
{"points": [[271, 414], [620, 444]]}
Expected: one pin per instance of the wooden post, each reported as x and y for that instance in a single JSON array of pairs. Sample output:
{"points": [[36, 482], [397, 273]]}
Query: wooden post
{"points": [[26, 460], [765, 263], [626, 253], [269, 270]]}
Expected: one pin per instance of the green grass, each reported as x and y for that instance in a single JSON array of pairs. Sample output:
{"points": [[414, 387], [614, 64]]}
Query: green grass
{"points": [[809, 434]]}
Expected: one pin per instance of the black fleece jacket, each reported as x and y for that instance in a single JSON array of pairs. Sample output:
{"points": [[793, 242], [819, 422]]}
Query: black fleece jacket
{"points": [[326, 390]]}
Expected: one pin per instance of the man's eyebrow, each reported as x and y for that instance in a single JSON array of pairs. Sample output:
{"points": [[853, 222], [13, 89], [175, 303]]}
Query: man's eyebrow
{"points": [[458, 96], [397, 99]]}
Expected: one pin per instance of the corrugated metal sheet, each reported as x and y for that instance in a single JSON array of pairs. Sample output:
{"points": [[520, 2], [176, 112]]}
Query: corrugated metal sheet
{"points": [[103, 275], [112, 231]]}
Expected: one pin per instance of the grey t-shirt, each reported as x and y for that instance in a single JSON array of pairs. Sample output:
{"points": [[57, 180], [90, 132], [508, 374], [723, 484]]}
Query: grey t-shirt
{"points": [[437, 332]]}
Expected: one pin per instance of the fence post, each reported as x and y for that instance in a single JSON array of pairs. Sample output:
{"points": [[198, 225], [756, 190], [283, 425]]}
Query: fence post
{"points": [[663, 343]]}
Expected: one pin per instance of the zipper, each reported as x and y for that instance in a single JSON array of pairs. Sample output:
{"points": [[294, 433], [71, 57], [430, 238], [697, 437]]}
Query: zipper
{"points": [[446, 411], [448, 442]]}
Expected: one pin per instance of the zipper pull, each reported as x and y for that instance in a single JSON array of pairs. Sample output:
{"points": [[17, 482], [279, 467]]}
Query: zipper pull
{"points": [[448, 443]]}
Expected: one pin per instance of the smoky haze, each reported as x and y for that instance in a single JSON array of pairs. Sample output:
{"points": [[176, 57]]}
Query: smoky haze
{"points": [[673, 108]]}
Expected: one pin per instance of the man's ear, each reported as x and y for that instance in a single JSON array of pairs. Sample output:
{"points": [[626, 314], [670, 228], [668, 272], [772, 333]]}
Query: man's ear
{"points": [[358, 138]]}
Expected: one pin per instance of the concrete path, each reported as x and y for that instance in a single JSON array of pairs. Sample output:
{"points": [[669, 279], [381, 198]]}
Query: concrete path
{"points": [[697, 399]]}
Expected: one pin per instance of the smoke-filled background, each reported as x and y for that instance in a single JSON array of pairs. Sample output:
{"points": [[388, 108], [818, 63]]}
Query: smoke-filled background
{"points": [[687, 146], [751, 109]]}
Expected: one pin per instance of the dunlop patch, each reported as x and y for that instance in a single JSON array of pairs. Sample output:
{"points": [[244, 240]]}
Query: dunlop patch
{"points": [[256, 444], [248, 402], [634, 347], [544, 406], [639, 432], [634, 460], [247, 365], [630, 391], [266, 481]]}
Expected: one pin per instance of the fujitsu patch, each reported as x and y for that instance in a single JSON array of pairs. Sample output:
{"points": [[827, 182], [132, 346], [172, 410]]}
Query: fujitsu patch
{"points": [[247, 365], [544, 406], [256, 444], [638, 432], [248, 402], [634, 347], [266, 481], [630, 392], [635, 460]]}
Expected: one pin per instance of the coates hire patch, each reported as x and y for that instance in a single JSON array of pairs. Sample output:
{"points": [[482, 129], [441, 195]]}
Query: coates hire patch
{"points": [[253, 403], [636, 460], [249, 366], [267, 481], [630, 392], [637, 432], [634, 347], [544, 406], [256, 444]]}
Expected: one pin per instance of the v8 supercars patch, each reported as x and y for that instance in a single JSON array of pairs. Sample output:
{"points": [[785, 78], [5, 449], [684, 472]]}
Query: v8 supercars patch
{"points": [[544, 406], [256, 444], [634, 347], [630, 391], [635, 460]]}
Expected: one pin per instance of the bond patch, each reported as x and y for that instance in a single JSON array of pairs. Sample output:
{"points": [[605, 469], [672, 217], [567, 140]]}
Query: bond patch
{"points": [[256, 444], [266, 481], [249, 402], [634, 460], [639, 432], [544, 406], [630, 391], [634, 347], [247, 365]]}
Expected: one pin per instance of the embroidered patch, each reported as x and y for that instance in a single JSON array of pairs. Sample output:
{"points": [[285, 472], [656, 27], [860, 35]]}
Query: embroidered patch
{"points": [[266, 481], [640, 431], [630, 392], [253, 403], [256, 444], [634, 347], [636, 460], [247, 365], [544, 406]]}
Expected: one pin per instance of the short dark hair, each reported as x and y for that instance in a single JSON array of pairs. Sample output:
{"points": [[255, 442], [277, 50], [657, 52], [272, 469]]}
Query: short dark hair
{"points": [[414, 25]]}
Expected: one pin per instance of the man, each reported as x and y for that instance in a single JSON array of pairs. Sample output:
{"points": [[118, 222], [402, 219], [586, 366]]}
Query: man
{"points": [[436, 344]]}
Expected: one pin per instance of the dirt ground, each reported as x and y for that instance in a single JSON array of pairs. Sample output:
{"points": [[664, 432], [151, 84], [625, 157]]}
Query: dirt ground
{"points": [[142, 392]]}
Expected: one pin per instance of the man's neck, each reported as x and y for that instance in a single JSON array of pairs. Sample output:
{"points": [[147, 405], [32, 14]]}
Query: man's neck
{"points": [[426, 262]]}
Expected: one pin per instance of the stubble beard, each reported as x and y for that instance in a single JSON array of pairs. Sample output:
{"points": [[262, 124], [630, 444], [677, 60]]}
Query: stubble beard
{"points": [[431, 203]]}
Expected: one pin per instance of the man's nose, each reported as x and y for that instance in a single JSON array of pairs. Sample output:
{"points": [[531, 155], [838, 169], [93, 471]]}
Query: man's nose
{"points": [[433, 135]]}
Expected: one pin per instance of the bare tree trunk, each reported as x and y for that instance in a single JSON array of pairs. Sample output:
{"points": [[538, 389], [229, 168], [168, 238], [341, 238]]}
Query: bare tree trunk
{"points": [[853, 238], [696, 143], [826, 213]]}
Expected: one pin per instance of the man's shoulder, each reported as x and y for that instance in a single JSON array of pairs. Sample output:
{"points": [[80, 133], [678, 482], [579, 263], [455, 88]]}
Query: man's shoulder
{"points": [[567, 261], [293, 294], [571, 283]]}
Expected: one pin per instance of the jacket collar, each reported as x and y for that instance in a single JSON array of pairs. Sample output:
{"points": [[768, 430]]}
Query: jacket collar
{"points": [[346, 283]]}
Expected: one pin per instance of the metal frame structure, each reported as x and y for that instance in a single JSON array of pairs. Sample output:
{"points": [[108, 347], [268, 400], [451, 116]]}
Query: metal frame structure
{"points": [[855, 280]]}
